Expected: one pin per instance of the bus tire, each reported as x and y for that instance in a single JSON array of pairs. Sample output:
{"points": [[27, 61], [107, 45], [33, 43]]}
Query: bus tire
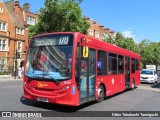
{"points": [[133, 85], [100, 94], [155, 81]]}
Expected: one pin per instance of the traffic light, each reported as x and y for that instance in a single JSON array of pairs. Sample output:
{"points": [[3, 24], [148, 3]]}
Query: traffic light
{"points": [[18, 55]]}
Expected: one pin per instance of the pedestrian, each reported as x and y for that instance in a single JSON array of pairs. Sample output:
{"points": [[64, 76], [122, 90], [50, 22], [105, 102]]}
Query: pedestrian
{"points": [[22, 73], [19, 72]]}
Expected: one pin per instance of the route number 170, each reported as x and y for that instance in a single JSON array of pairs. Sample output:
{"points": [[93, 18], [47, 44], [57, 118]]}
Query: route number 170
{"points": [[63, 41]]}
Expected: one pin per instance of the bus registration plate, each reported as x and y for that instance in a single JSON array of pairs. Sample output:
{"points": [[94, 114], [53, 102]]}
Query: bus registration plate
{"points": [[42, 99]]}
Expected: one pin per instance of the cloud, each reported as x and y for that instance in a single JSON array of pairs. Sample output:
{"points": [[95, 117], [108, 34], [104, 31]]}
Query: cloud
{"points": [[128, 34], [141, 36], [129, 28]]}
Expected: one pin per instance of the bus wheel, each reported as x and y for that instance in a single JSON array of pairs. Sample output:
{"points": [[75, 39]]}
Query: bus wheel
{"points": [[133, 85], [100, 93]]}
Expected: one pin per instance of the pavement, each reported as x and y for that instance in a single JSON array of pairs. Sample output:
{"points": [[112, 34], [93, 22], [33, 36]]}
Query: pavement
{"points": [[9, 77], [143, 87]]}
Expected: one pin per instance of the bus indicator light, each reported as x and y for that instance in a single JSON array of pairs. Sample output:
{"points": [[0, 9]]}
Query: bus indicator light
{"points": [[112, 80], [64, 89], [73, 90]]}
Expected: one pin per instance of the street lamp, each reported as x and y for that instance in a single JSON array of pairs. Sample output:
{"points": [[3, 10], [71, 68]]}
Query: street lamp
{"points": [[16, 57]]}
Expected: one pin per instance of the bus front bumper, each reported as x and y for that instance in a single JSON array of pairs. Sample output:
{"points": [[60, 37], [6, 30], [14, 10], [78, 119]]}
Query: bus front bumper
{"points": [[65, 98]]}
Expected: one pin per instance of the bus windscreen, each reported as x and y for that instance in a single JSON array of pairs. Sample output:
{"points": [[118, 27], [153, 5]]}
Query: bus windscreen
{"points": [[50, 57]]}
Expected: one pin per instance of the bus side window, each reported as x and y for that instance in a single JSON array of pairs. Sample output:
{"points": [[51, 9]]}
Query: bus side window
{"points": [[120, 64], [112, 64], [102, 63], [133, 65], [77, 62], [137, 64]]}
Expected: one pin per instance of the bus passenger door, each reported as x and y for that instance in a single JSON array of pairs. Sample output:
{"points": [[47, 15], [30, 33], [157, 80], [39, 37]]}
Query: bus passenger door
{"points": [[91, 74], [127, 72], [87, 77]]}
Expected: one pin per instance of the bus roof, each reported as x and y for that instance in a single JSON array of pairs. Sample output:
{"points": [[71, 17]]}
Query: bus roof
{"points": [[111, 47], [99, 44]]}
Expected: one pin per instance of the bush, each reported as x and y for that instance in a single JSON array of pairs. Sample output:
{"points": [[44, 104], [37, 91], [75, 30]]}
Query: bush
{"points": [[4, 73]]}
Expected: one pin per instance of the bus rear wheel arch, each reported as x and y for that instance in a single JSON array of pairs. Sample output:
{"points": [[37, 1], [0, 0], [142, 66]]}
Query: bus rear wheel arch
{"points": [[101, 93]]}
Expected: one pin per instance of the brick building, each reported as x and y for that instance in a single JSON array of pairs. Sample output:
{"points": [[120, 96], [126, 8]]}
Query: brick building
{"points": [[14, 22], [99, 31]]}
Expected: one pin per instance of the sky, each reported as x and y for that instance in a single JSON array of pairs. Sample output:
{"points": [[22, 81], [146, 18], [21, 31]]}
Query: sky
{"points": [[139, 19]]}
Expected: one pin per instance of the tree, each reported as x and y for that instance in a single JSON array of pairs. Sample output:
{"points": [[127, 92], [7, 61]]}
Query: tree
{"points": [[150, 52], [60, 16], [131, 45], [154, 53], [79, 1], [121, 41], [109, 39]]}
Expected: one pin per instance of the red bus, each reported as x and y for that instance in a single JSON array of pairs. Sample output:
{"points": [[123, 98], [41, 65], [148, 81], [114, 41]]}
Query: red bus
{"points": [[70, 68]]}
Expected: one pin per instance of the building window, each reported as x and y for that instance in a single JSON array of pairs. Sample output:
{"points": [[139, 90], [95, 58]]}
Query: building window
{"points": [[102, 63], [3, 44], [3, 26], [20, 31], [2, 64], [91, 32], [31, 20], [19, 46], [112, 64], [1, 9], [97, 35]]}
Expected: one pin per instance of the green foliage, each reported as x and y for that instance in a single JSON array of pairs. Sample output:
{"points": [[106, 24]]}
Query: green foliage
{"points": [[60, 16], [144, 51], [109, 39], [126, 43], [149, 51], [3, 73]]}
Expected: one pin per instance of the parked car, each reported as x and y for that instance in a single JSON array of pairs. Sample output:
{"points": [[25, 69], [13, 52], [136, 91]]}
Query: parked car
{"points": [[158, 76], [148, 76]]}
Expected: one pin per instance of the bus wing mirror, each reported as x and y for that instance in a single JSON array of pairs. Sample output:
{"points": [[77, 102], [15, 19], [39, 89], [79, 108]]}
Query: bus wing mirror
{"points": [[85, 51]]}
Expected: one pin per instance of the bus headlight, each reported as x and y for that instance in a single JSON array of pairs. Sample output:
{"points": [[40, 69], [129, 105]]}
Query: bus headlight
{"points": [[64, 89]]}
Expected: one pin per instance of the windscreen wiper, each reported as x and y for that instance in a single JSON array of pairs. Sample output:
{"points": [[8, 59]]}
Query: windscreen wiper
{"points": [[54, 79]]}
